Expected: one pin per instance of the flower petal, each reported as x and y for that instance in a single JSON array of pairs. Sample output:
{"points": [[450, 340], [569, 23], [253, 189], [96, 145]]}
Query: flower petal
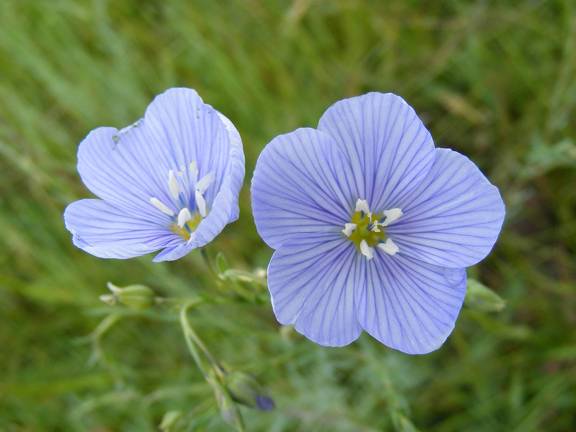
{"points": [[225, 207], [300, 186], [451, 219], [108, 232], [122, 175], [186, 129], [409, 305], [128, 167], [389, 149], [235, 168], [313, 281]]}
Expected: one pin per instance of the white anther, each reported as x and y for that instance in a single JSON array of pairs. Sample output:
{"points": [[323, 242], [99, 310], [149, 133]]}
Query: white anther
{"points": [[173, 185], [366, 250], [391, 216], [376, 226], [204, 183], [183, 217], [349, 229], [161, 206], [200, 203], [389, 247], [194, 171], [362, 205]]}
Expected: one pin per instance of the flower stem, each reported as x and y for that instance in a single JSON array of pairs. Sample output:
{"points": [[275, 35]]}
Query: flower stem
{"points": [[193, 340], [191, 337], [215, 374]]}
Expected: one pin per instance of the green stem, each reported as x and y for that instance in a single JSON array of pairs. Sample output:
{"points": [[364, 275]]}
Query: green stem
{"points": [[213, 376], [193, 341], [190, 336]]}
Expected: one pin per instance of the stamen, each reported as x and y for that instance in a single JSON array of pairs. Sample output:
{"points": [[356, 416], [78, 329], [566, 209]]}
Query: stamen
{"points": [[194, 170], [200, 203], [349, 229], [391, 216], [161, 206], [362, 205], [183, 217], [173, 185], [376, 227], [204, 182], [366, 250], [389, 247]]}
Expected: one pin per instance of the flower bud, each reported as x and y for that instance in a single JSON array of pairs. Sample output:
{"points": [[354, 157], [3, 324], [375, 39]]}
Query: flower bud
{"points": [[228, 409], [133, 296], [482, 298], [245, 390]]}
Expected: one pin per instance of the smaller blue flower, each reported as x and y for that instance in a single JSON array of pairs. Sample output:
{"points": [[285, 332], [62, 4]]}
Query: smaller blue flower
{"points": [[372, 226], [170, 181]]}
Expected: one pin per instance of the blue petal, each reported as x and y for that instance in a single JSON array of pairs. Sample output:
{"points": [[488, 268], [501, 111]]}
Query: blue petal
{"points": [[300, 186], [185, 129], [225, 207], [453, 218], [409, 305], [389, 149], [108, 232], [123, 175], [313, 280]]}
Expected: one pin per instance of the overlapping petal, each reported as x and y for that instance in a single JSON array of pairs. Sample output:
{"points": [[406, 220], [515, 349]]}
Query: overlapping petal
{"points": [[387, 146], [108, 232], [180, 125], [410, 305], [300, 185], [453, 217], [313, 281]]}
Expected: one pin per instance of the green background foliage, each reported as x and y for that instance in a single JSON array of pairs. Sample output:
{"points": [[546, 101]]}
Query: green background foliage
{"points": [[494, 80]]}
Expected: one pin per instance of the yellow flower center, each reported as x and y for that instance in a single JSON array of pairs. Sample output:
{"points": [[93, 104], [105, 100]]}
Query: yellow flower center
{"points": [[188, 228], [367, 228]]}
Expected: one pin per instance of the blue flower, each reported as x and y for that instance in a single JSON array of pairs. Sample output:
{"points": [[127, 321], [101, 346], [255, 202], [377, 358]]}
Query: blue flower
{"points": [[170, 181], [372, 225]]}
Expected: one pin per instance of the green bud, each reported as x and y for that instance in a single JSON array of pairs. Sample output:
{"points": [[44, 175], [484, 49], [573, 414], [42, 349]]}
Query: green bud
{"points": [[133, 296], [246, 390], [228, 409], [170, 420], [482, 298], [109, 299]]}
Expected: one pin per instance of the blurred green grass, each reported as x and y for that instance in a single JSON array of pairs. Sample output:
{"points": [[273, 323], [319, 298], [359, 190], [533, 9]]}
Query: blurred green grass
{"points": [[494, 80]]}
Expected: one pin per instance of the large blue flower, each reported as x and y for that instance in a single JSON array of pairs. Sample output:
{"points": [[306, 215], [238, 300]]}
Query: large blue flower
{"points": [[170, 181], [372, 225]]}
